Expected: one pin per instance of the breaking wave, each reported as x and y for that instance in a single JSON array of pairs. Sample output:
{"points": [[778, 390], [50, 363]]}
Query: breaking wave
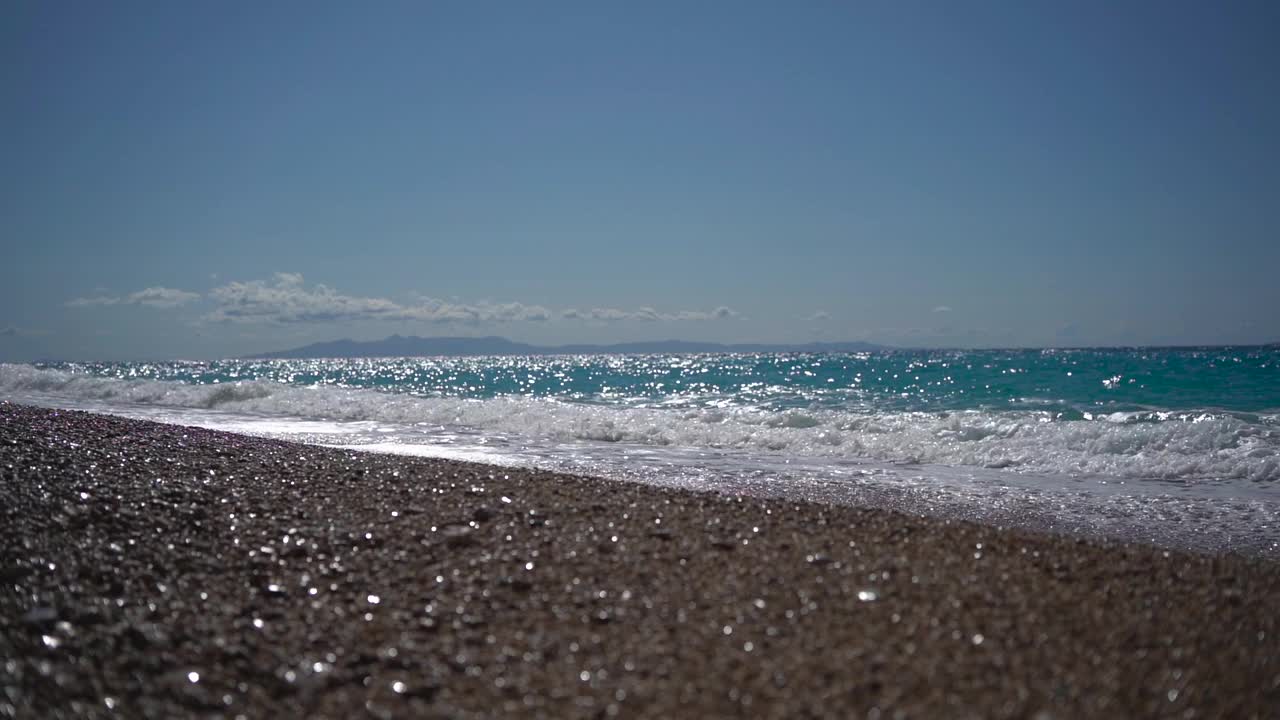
{"points": [[1184, 446]]}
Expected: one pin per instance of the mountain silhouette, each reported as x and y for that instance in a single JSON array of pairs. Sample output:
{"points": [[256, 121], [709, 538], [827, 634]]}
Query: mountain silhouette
{"points": [[413, 346]]}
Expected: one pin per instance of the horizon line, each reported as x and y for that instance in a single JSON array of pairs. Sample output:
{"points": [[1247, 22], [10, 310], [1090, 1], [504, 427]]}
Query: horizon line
{"points": [[878, 348]]}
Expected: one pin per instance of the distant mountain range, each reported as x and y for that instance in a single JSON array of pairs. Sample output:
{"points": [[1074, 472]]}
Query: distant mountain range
{"points": [[412, 346]]}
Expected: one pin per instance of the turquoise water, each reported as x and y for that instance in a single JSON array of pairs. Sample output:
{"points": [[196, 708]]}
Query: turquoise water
{"points": [[1075, 382], [1182, 445]]}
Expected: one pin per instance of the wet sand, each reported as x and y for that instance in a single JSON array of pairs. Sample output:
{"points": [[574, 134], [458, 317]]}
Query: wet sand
{"points": [[161, 571]]}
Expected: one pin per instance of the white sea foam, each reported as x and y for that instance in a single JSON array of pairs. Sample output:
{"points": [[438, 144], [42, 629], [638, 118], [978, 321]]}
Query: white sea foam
{"points": [[1201, 447], [1197, 480]]}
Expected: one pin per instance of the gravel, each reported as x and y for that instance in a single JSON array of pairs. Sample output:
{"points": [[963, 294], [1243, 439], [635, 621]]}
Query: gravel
{"points": [[152, 570]]}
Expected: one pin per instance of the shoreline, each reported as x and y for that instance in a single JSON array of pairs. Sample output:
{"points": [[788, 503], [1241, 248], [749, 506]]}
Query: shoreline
{"points": [[310, 580], [1104, 509]]}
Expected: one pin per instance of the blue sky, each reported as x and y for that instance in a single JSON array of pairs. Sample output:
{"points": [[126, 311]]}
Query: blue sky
{"points": [[209, 179]]}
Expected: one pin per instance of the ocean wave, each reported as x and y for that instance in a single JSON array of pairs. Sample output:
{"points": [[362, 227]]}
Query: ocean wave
{"points": [[1187, 446]]}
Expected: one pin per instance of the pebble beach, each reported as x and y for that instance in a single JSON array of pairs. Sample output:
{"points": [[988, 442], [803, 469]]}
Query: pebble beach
{"points": [[151, 570]]}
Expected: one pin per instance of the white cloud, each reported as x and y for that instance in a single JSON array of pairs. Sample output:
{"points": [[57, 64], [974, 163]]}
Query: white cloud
{"points": [[608, 314], [161, 297], [942, 309], [720, 313], [158, 297], [286, 299], [93, 301], [820, 316], [514, 311], [648, 314], [15, 331]]}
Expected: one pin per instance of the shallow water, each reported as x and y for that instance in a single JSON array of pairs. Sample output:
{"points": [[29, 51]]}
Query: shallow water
{"points": [[1177, 447]]}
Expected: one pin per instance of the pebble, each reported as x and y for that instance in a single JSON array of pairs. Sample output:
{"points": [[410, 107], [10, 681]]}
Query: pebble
{"points": [[506, 612]]}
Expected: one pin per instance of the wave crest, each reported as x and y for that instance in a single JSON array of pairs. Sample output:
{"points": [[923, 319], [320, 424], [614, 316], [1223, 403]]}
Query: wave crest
{"points": [[1186, 446]]}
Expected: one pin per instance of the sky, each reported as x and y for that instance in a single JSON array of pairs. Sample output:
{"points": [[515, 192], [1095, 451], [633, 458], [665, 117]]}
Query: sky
{"points": [[201, 180]]}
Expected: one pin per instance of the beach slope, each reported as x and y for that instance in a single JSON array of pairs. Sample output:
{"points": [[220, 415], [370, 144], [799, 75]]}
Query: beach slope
{"points": [[161, 571]]}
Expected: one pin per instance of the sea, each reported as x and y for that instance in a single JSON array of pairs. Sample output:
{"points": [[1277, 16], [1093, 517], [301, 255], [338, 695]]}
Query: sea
{"points": [[1174, 447]]}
